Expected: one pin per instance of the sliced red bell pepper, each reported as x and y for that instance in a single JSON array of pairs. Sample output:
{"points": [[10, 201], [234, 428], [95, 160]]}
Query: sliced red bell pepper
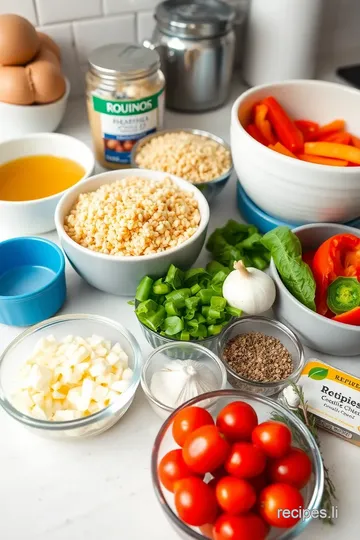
{"points": [[308, 257], [338, 256], [350, 317], [355, 141], [308, 128], [341, 137], [289, 135], [336, 126], [256, 134], [263, 124]]}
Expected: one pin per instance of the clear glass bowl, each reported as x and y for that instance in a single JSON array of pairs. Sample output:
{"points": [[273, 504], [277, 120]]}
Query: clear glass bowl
{"points": [[19, 350], [179, 350], [272, 328], [265, 409]]}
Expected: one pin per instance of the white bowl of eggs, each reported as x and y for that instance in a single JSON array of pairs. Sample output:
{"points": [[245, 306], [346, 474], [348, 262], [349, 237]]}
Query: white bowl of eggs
{"points": [[33, 89]]}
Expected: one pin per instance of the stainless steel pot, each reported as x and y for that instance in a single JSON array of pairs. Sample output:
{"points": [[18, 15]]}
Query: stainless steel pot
{"points": [[196, 43]]}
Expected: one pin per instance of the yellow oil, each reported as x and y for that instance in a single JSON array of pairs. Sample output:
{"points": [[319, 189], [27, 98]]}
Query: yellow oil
{"points": [[35, 177]]}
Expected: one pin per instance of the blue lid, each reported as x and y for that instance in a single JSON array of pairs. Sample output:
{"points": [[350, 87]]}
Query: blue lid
{"points": [[264, 222]]}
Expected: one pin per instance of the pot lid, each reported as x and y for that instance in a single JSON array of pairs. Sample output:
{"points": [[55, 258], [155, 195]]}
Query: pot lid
{"points": [[125, 59], [195, 18]]}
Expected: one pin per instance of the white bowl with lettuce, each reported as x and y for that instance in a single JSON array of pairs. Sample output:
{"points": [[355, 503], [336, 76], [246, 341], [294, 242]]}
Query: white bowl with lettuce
{"points": [[295, 284]]}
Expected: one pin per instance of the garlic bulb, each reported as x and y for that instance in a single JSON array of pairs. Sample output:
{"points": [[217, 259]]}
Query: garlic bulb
{"points": [[249, 289], [180, 380]]}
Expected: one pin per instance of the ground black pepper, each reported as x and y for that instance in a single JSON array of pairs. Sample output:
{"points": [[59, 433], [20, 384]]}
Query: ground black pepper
{"points": [[258, 357]]}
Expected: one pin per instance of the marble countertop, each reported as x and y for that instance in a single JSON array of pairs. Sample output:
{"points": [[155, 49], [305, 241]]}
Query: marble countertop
{"points": [[101, 487]]}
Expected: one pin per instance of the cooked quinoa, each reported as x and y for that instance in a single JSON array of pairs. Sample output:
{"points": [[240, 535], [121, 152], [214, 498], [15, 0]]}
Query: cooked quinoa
{"points": [[192, 157], [133, 216]]}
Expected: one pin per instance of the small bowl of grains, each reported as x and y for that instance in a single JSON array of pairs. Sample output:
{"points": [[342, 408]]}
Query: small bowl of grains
{"points": [[261, 355], [117, 226], [201, 158]]}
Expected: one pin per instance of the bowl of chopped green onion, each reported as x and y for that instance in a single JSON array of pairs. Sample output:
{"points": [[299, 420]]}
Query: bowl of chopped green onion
{"points": [[184, 306]]}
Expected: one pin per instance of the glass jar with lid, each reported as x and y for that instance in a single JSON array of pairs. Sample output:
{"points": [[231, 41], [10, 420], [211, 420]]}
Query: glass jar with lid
{"points": [[125, 100]]}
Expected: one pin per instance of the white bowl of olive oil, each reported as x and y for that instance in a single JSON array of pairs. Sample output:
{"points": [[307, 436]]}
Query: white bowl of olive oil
{"points": [[35, 171]]}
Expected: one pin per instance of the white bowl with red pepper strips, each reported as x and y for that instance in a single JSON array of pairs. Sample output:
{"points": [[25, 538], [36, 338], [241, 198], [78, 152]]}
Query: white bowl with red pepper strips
{"points": [[261, 355], [118, 226]]}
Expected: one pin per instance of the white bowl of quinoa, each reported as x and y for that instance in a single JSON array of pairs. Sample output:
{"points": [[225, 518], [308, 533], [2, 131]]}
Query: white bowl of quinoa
{"points": [[201, 158], [119, 226]]}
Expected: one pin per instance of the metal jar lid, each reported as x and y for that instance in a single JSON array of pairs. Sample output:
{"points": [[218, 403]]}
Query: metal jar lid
{"points": [[124, 60], [195, 18]]}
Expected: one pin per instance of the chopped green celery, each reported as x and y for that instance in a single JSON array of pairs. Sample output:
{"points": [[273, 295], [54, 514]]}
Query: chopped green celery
{"points": [[160, 287], [220, 276], [155, 319], [205, 311], [234, 312], [213, 267], [149, 306], [259, 262], [192, 302], [200, 332], [205, 295], [190, 314], [144, 289], [214, 329], [211, 320], [193, 324], [174, 277], [178, 297], [214, 313], [173, 325], [185, 336], [195, 289], [171, 308], [218, 303], [193, 276], [205, 282], [251, 241], [217, 288], [199, 317]]}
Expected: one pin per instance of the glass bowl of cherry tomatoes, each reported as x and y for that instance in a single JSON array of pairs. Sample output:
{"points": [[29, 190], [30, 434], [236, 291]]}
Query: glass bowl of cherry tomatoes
{"points": [[231, 465]]}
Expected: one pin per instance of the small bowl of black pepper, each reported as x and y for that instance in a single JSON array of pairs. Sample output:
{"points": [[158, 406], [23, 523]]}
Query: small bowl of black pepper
{"points": [[261, 355]]}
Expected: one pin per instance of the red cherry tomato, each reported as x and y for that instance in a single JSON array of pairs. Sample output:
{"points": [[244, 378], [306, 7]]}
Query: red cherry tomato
{"points": [[274, 438], [245, 460], [235, 495], [246, 527], [294, 468], [280, 505], [207, 531], [172, 468], [205, 449], [188, 420], [195, 502], [237, 420]]}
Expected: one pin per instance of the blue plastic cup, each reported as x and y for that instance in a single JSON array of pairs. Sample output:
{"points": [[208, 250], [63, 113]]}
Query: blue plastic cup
{"points": [[32, 280]]}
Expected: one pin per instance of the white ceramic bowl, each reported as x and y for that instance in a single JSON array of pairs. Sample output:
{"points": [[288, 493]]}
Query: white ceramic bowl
{"points": [[19, 120], [120, 275], [37, 216], [292, 190]]}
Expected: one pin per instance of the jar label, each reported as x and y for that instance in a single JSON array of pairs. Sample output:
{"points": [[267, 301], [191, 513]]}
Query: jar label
{"points": [[123, 123]]}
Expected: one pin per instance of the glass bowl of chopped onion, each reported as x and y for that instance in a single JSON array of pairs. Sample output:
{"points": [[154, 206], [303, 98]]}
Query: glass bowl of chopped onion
{"points": [[70, 376], [266, 409], [261, 355]]}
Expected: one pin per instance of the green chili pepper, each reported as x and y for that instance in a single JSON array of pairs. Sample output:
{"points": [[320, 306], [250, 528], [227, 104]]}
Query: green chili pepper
{"points": [[218, 303], [171, 308], [195, 289], [173, 325], [214, 329], [205, 295], [343, 295], [174, 277], [160, 288], [234, 312], [179, 297], [184, 336], [144, 288]]}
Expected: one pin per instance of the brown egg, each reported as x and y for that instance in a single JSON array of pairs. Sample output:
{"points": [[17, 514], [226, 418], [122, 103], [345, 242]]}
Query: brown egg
{"points": [[46, 55], [15, 86], [50, 44], [47, 81], [19, 41]]}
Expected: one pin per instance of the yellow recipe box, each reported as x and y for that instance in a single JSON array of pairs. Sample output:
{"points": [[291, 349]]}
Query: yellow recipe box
{"points": [[333, 396]]}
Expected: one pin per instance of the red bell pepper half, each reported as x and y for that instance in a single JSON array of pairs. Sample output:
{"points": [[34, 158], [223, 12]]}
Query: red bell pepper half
{"points": [[350, 317], [289, 135], [338, 256]]}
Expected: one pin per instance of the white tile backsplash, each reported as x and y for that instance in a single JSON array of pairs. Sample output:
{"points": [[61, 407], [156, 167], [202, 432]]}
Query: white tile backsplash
{"points": [[145, 25], [123, 6], [94, 33], [51, 11], [80, 26], [25, 8]]}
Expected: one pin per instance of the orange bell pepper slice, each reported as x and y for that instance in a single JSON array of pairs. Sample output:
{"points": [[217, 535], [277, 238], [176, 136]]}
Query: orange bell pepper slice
{"points": [[278, 147], [289, 135], [349, 317], [337, 256], [323, 160], [256, 134], [263, 124], [332, 127], [333, 150], [341, 137]]}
